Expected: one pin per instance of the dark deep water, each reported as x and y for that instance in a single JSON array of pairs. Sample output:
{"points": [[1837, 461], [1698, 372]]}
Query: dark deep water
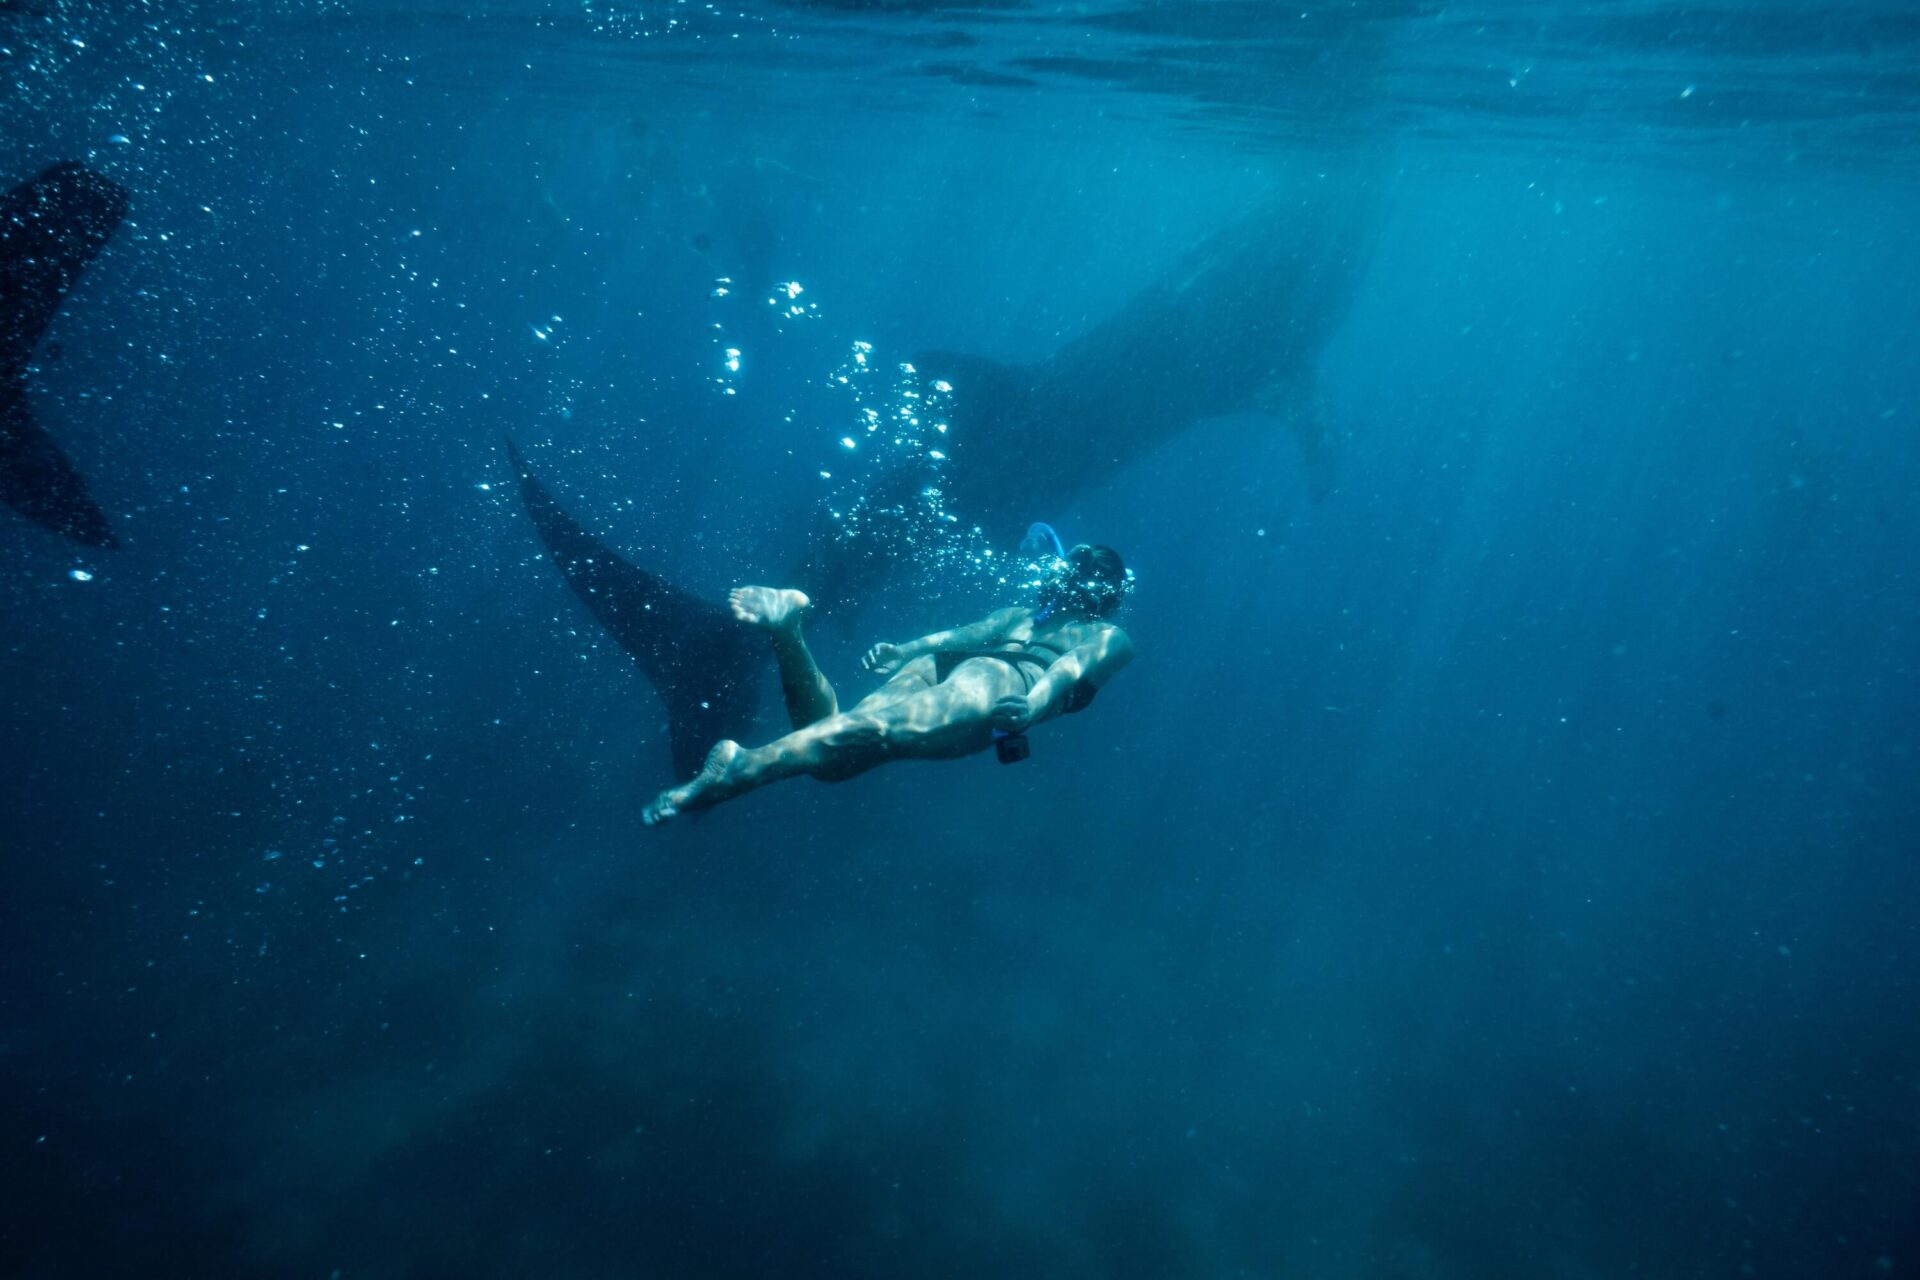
{"points": [[1502, 867]]}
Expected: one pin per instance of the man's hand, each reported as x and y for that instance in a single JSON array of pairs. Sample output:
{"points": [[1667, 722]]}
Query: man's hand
{"points": [[883, 659], [1012, 713]]}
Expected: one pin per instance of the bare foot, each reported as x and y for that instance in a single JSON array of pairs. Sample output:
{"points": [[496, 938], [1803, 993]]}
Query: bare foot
{"points": [[718, 779], [773, 608]]}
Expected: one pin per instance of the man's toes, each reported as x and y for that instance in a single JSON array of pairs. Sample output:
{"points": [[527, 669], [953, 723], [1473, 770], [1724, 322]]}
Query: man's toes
{"points": [[757, 606]]}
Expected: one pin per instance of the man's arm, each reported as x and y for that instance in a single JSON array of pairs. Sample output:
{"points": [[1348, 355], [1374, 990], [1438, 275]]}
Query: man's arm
{"points": [[1091, 663], [885, 659]]}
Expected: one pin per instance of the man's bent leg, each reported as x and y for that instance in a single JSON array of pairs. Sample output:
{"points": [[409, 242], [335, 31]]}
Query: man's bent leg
{"points": [[778, 612]]}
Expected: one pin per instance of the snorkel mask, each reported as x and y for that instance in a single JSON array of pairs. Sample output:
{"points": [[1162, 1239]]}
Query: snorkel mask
{"points": [[1087, 579]]}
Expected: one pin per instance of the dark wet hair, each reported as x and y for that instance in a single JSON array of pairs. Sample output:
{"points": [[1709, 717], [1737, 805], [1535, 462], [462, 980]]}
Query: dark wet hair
{"points": [[1098, 579]]}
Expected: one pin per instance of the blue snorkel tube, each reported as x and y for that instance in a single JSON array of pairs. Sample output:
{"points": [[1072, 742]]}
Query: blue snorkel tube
{"points": [[1040, 536], [1042, 540]]}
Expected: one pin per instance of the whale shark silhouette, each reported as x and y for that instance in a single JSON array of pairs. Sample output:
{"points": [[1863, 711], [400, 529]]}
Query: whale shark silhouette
{"points": [[50, 229], [1236, 326]]}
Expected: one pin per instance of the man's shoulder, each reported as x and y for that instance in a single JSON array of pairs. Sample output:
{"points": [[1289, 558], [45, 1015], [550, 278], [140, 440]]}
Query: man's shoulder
{"points": [[1113, 638]]}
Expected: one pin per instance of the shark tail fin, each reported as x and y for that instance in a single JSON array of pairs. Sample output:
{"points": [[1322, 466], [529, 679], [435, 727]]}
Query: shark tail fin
{"points": [[50, 229], [702, 663], [38, 481]]}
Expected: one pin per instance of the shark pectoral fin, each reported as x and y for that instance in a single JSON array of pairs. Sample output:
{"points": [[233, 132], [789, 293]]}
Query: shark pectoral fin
{"points": [[993, 391], [39, 482], [1319, 449], [1302, 413], [1013, 437], [700, 661]]}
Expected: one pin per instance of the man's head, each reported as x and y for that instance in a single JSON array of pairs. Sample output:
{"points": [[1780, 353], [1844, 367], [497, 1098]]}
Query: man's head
{"points": [[1091, 580]]}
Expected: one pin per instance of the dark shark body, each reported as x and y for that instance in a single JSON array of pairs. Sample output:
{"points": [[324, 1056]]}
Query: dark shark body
{"points": [[702, 662], [50, 229], [1236, 326]]}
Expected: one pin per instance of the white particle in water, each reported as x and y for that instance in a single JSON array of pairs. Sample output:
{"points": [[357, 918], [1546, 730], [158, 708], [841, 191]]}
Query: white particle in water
{"points": [[80, 575], [846, 442], [121, 140]]}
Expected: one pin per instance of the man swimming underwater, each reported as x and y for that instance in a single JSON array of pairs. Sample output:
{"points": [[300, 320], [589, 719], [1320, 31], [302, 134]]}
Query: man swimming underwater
{"points": [[947, 695]]}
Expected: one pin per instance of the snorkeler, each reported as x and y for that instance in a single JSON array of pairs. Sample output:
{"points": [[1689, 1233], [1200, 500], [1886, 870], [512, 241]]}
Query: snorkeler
{"points": [[950, 694]]}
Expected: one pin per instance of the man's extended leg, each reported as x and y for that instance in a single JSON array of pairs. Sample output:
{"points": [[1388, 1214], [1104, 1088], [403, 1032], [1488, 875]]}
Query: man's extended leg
{"points": [[947, 720], [778, 611]]}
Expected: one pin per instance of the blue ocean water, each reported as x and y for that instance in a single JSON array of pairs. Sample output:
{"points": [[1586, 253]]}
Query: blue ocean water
{"points": [[1499, 859]]}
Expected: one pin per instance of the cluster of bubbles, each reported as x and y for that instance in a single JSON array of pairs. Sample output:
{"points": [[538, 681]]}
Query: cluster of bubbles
{"points": [[888, 500], [783, 301], [728, 378], [886, 503], [633, 20], [369, 840], [784, 298]]}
